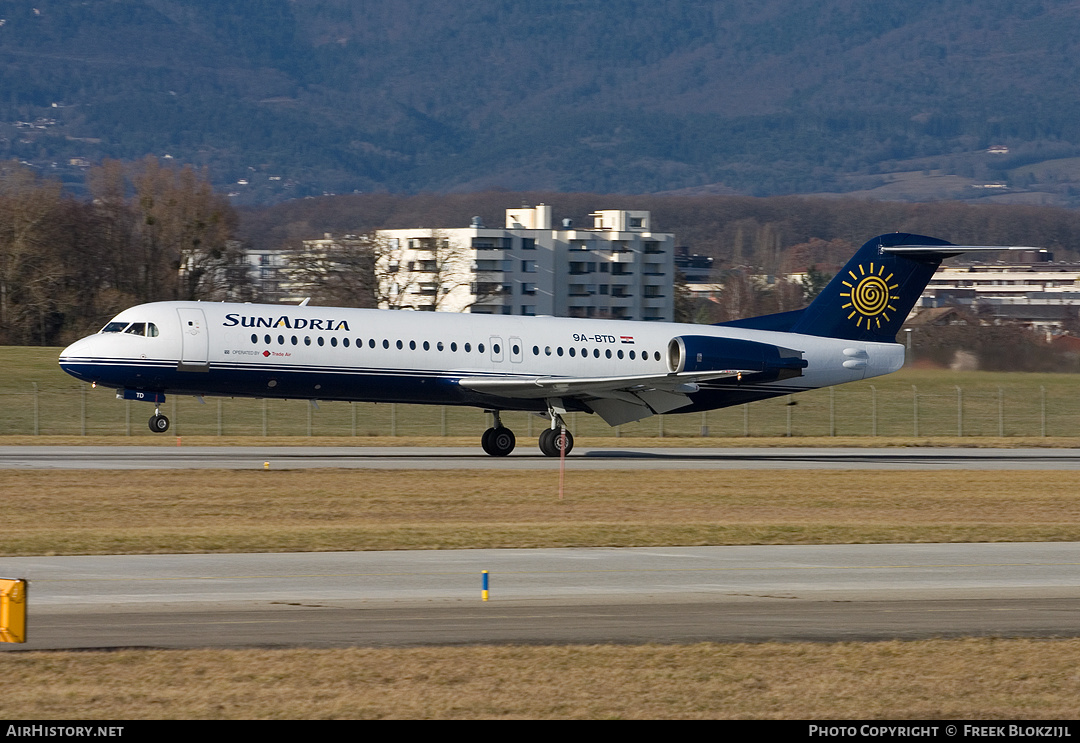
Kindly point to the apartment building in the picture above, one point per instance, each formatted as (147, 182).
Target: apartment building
(618, 268)
(1034, 290)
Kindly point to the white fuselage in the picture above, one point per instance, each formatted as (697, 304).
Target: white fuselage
(329, 353)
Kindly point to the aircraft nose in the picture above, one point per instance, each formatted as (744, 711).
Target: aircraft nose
(77, 350)
(76, 359)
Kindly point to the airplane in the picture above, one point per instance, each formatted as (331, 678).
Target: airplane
(622, 371)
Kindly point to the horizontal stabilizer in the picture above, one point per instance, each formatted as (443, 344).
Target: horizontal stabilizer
(948, 251)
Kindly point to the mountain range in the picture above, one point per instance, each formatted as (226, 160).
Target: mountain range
(280, 99)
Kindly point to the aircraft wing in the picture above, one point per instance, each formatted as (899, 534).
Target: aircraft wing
(617, 400)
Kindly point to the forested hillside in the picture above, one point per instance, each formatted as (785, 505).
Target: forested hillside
(285, 99)
(736, 230)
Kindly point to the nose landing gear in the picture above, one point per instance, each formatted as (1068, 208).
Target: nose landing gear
(158, 422)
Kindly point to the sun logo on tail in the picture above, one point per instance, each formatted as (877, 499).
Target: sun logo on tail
(869, 296)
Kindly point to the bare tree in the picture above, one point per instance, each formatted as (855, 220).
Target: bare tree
(434, 273)
(31, 274)
(184, 229)
(339, 272)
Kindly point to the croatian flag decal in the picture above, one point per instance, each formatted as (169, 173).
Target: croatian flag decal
(627, 338)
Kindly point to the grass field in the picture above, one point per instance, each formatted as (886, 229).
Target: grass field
(912, 404)
(978, 679)
(90, 512)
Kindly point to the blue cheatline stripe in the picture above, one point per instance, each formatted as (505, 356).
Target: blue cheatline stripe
(170, 364)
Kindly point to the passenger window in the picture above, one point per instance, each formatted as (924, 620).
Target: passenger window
(399, 345)
(266, 338)
(427, 346)
(294, 340)
(468, 347)
(254, 338)
(573, 351)
(559, 350)
(333, 341)
(321, 340)
(307, 340)
(439, 345)
(480, 347)
(281, 340)
(453, 346)
(385, 343)
(412, 345)
(345, 342)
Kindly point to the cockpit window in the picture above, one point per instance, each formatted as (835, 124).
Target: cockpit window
(135, 328)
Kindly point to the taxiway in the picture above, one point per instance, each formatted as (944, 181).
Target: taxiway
(739, 593)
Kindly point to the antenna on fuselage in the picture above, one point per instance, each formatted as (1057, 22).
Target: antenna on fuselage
(306, 300)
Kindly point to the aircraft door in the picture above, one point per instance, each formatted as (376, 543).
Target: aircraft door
(195, 343)
(496, 345)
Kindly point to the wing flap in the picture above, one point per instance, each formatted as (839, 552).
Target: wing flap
(580, 387)
(617, 400)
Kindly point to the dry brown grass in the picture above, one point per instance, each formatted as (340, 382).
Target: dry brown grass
(88, 512)
(925, 680)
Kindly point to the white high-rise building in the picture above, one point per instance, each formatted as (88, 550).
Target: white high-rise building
(618, 269)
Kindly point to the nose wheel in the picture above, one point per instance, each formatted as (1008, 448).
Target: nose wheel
(159, 423)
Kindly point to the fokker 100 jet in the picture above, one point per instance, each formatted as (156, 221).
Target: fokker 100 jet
(622, 371)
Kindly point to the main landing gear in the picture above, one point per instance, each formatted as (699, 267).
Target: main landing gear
(499, 441)
(553, 440)
(158, 422)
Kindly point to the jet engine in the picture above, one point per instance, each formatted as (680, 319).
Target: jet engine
(703, 353)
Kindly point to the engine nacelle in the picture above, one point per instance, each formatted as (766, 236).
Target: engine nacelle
(703, 353)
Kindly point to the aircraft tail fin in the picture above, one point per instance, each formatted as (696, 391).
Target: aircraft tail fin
(870, 299)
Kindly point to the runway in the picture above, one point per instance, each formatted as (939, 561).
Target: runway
(528, 458)
(753, 594)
